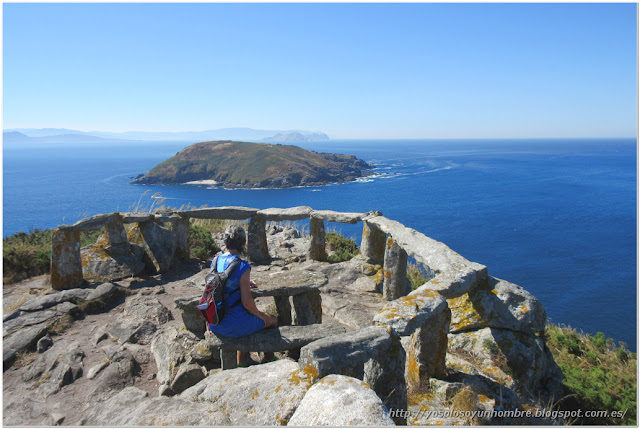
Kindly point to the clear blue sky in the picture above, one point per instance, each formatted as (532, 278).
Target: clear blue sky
(350, 70)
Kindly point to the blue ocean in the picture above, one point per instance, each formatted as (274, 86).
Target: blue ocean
(557, 217)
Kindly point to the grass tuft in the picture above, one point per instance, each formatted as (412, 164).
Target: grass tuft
(60, 325)
(25, 358)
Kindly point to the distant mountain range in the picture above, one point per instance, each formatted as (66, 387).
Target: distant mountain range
(54, 135)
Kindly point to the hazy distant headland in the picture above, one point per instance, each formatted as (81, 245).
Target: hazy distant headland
(54, 135)
(254, 165)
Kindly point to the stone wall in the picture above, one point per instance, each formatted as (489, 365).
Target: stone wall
(421, 319)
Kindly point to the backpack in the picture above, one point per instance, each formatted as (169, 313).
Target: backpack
(212, 302)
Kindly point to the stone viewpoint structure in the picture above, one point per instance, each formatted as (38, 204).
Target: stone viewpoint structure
(461, 334)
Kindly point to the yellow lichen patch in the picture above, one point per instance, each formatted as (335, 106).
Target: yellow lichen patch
(495, 292)
(255, 394)
(463, 313)
(310, 371)
(419, 398)
(524, 309)
(428, 293)
(296, 380)
(280, 420)
(486, 400)
(413, 369)
(277, 389)
(389, 241)
(379, 276)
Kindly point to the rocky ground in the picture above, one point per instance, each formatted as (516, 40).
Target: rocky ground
(120, 354)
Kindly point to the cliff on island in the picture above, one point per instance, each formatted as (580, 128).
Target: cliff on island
(254, 165)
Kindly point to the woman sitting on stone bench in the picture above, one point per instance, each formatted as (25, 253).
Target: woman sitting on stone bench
(242, 317)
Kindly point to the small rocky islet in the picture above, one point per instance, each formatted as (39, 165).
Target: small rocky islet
(233, 164)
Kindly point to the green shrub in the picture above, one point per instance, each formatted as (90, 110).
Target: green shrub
(201, 243)
(26, 255)
(597, 374)
(416, 275)
(344, 248)
(90, 237)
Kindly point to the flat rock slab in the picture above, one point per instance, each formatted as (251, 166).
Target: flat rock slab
(148, 307)
(170, 349)
(133, 407)
(332, 216)
(260, 395)
(287, 283)
(47, 301)
(132, 330)
(234, 213)
(21, 340)
(292, 213)
(407, 314)
(497, 304)
(338, 400)
(277, 339)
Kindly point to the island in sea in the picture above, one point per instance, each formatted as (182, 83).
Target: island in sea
(234, 164)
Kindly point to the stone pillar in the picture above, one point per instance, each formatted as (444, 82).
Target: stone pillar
(228, 359)
(384, 374)
(316, 305)
(395, 271)
(257, 240)
(114, 231)
(373, 244)
(317, 249)
(159, 245)
(66, 263)
(181, 230)
(284, 310)
(426, 352)
(307, 308)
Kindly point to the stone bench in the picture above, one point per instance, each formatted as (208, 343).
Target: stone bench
(277, 339)
(302, 286)
(298, 287)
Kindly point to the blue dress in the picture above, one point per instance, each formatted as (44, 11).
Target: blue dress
(237, 322)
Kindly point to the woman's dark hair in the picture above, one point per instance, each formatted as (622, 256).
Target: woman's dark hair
(235, 238)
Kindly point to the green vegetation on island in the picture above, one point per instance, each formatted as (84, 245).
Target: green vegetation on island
(254, 165)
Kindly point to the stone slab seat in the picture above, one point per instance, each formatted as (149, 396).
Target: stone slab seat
(277, 339)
